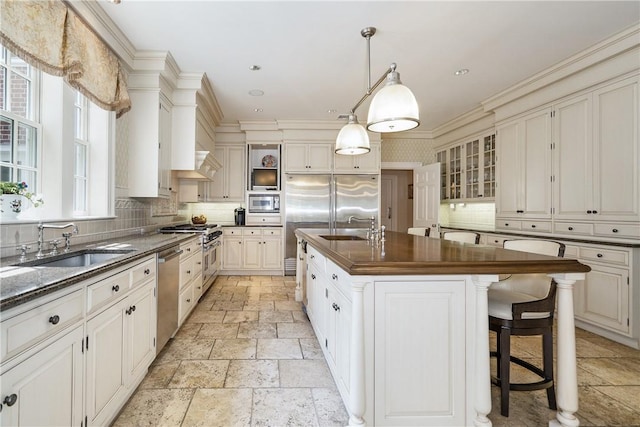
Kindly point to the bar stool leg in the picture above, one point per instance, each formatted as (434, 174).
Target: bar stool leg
(504, 362)
(547, 355)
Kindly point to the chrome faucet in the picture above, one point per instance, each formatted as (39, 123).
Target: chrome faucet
(41, 228)
(372, 230)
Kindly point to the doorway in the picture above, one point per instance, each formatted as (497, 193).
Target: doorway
(396, 199)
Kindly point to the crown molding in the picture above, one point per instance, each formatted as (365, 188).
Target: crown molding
(106, 29)
(613, 46)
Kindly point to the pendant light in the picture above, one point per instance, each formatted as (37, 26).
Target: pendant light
(352, 138)
(393, 109)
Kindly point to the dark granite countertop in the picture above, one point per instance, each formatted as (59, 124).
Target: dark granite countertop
(21, 284)
(405, 254)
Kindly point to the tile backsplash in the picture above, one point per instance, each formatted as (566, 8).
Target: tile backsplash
(477, 216)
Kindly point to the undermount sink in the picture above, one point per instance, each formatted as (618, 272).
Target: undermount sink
(78, 259)
(341, 237)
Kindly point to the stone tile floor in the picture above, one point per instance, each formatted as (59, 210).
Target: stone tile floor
(247, 356)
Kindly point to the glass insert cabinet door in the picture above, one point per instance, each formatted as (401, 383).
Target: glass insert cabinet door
(472, 163)
(455, 172)
(489, 162)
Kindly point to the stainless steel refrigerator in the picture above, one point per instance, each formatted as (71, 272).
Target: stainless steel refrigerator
(326, 201)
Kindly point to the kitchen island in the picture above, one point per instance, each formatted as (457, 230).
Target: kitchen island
(403, 324)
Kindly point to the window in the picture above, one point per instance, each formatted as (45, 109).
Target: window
(19, 133)
(81, 145)
(43, 118)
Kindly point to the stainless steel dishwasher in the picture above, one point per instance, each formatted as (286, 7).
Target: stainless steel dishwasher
(168, 287)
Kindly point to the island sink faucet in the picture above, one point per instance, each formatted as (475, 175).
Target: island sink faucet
(67, 236)
(372, 231)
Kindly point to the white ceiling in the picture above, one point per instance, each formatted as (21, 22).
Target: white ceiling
(313, 57)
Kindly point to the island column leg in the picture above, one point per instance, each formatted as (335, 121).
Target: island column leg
(566, 375)
(482, 378)
(357, 362)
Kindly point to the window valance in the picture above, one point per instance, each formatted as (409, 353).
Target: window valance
(53, 38)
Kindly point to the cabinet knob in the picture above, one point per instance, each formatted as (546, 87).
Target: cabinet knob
(312, 257)
(533, 226)
(570, 228)
(10, 400)
(147, 271)
(115, 288)
(54, 321)
(506, 224)
(313, 276)
(188, 299)
(589, 212)
(595, 212)
(615, 230)
(188, 271)
(334, 276)
(599, 255)
(188, 249)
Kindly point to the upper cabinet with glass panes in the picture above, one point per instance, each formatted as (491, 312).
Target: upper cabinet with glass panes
(467, 169)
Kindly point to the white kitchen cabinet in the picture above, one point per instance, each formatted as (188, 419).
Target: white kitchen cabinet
(523, 167)
(364, 163)
(229, 181)
(467, 169)
(604, 298)
(46, 387)
(596, 156)
(149, 155)
(232, 250)
(308, 157)
(119, 347)
(337, 306)
(262, 248)
(190, 277)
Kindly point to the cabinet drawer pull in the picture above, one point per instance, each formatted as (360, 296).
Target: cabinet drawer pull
(147, 271)
(312, 256)
(615, 230)
(595, 212)
(533, 226)
(188, 249)
(570, 228)
(334, 276)
(188, 299)
(589, 212)
(599, 255)
(506, 224)
(313, 276)
(115, 288)
(188, 271)
(54, 321)
(10, 400)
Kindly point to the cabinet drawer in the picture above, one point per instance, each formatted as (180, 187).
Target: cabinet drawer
(264, 220)
(571, 252)
(190, 248)
(494, 240)
(187, 271)
(107, 290)
(252, 231)
(609, 256)
(314, 257)
(537, 226)
(232, 231)
(185, 303)
(339, 278)
(141, 272)
(507, 224)
(618, 230)
(35, 325)
(272, 231)
(573, 228)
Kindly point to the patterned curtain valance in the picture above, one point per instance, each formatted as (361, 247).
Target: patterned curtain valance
(53, 38)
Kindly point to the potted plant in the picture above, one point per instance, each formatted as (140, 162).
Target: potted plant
(11, 198)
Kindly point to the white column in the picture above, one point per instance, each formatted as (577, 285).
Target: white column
(566, 382)
(482, 380)
(357, 362)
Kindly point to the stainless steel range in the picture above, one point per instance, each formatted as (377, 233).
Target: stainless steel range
(211, 248)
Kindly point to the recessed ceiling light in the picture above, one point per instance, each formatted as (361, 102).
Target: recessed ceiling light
(258, 110)
(255, 68)
(461, 72)
(256, 92)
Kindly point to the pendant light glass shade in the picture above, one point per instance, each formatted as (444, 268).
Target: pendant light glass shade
(393, 108)
(352, 138)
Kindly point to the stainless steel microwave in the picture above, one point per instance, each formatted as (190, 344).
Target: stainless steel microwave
(264, 203)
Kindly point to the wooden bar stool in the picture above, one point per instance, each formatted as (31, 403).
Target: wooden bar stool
(523, 305)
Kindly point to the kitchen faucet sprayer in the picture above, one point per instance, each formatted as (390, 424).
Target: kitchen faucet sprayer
(67, 236)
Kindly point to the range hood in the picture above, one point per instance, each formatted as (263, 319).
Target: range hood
(205, 166)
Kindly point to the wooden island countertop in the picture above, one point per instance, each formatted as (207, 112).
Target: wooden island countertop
(403, 324)
(405, 254)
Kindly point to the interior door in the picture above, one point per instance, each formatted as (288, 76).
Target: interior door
(426, 196)
(389, 202)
